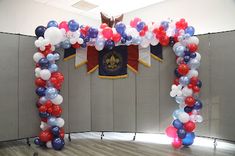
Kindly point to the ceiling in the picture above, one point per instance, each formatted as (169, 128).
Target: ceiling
(110, 7)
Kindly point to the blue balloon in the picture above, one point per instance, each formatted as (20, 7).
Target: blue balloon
(84, 45)
(56, 56)
(109, 44)
(190, 30)
(137, 40)
(86, 39)
(37, 141)
(55, 130)
(52, 23)
(51, 93)
(44, 114)
(177, 112)
(40, 91)
(92, 32)
(124, 35)
(187, 53)
(39, 31)
(66, 44)
(177, 74)
(42, 99)
(179, 99)
(129, 38)
(58, 143)
(194, 64)
(186, 58)
(120, 28)
(189, 139)
(199, 83)
(193, 55)
(179, 50)
(44, 63)
(177, 124)
(184, 80)
(73, 25)
(50, 57)
(181, 133)
(53, 68)
(197, 105)
(140, 26)
(123, 40)
(188, 109)
(52, 121)
(165, 24)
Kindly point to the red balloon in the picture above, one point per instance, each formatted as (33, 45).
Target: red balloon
(103, 25)
(42, 108)
(196, 89)
(142, 33)
(64, 25)
(56, 110)
(189, 126)
(164, 40)
(45, 136)
(40, 82)
(76, 45)
(192, 47)
(177, 143)
(62, 133)
(183, 69)
(135, 21)
(60, 78)
(190, 86)
(145, 28)
(48, 47)
(107, 33)
(116, 37)
(57, 86)
(53, 80)
(48, 104)
(182, 24)
(46, 52)
(190, 101)
(194, 80)
(171, 131)
(176, 81)
(49, 110)
(44, 119)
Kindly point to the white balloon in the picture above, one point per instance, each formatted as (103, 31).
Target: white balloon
(198, 56)
(45, 74)
(60, 122)
(49, 144)
(182, 105)
(42, 48)
(38, 43)
(186, 91)
(192, 73)
(52, 48)
(154, 41)
(176, 45)
(44, 125)
(45, 42)
(72, 40)
(54, 35)
(199, 118)
(37, 56)
(80, 41)
(145, 43)
(193, 39)
(57, 100)
(183, 117)
(37, 71)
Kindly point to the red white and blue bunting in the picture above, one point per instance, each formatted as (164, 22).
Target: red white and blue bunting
(178, 35)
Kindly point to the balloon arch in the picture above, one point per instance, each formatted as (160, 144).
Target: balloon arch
(185, 89)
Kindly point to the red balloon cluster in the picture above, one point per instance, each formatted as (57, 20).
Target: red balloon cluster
(160, 34)
(57, 79)
(181, 24)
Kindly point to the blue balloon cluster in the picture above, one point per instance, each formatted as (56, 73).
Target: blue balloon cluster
(73, 25)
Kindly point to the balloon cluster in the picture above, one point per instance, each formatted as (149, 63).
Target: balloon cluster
(48, 82)
(178, 35)
(186, 86)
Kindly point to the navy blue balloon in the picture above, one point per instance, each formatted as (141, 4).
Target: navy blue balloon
(84, 45)
(198, 105)
(55, 131)
(58, 143)
(186, 58)
(199, 83)
(124, 35)
(123, 40)
(40, 91)
(43, 114)
(177, 73)
(187, 53)
(172, 41)
(86, 39)
(177, 124)
(128, 38)
(190, 30)
(140, 26)
(109, 44)
(39, 31)
(188, 140)
(181, 133)
(193, 55)
(92, 32)
(120, 28)
(165, 24)
(44, 63)
(188, 109)
(73, 25)
(37, 141)
(52, 23)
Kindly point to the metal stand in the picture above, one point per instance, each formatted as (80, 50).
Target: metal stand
(69, 137)
(134, 137)
(102, 135)
(27, 141)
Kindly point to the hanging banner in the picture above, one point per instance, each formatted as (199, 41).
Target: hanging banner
(113, 63)
(92, 59)
(145, 56)
(69, 53)
(133, 57)
(81, 57)
(156, 52)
